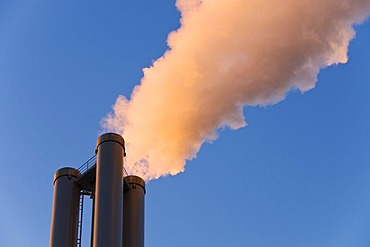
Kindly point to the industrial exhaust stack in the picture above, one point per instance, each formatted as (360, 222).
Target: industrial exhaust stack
(133, 212)
(64, 220)
(110, 151)
(118, 200)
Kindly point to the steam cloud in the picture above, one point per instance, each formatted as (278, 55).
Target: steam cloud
(225, 55)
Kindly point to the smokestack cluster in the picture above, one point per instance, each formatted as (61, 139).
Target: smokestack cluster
(227, 55)
(118, 201)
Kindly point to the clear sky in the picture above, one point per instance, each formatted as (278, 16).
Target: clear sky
(298, 175)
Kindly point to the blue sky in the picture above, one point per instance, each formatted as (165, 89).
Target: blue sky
(297, 175)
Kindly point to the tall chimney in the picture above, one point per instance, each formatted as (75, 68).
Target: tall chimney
(64, 218)
(118, 201)
(110, 150)
(133, 212)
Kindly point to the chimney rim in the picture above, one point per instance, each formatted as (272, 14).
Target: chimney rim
(66, 171)
(134, 180)
(113, 137)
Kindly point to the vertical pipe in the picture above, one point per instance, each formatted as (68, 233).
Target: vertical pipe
(110, 150)
(92, 215)
(64, 219)
(133, 212)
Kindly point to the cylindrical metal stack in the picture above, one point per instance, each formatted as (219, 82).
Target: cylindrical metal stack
(110, 150)
(118, 203)
(133, 212)
(64, 219)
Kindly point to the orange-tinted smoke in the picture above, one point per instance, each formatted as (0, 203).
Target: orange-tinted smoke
(225, 55)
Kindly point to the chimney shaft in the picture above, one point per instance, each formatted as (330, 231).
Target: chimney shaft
(64, 219)
(110, 151)
(133, 212)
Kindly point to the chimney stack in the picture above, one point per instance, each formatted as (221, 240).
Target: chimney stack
(118, 200)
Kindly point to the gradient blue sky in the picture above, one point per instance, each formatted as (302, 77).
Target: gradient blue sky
(298, 175)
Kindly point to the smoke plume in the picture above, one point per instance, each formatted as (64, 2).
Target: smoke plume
(226, 55)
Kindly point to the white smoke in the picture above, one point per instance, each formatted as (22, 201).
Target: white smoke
(225, 55)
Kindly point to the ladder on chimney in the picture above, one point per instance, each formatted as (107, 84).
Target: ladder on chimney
(81, 210)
